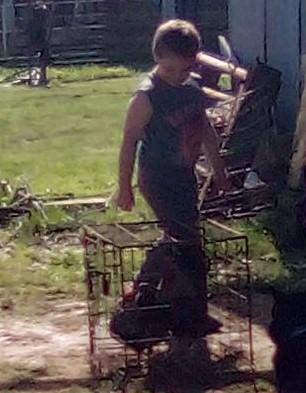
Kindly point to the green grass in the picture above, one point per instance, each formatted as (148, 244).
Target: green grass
(66, 138)
(63, 139)
(74, 73)
(29, 275)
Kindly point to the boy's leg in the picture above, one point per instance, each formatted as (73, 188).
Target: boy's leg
(175, 204)
(188, 300)
(173, 198)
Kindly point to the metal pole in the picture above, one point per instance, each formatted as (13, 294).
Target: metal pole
(8, 23)
(4, 41)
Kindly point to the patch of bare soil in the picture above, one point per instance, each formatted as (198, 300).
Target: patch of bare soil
(51, 350)
(47, 346)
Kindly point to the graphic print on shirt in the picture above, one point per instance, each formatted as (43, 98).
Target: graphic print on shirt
(188, 122)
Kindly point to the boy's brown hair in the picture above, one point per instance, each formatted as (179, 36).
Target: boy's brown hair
(178, 37)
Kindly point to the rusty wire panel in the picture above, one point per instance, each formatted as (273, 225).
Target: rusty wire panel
(113, 255)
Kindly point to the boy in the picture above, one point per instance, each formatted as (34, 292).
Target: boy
(167, 118)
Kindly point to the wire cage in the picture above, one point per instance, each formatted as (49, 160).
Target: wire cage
(230, 295)
(113, 255)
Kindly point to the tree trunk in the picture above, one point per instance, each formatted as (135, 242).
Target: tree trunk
(298, 161)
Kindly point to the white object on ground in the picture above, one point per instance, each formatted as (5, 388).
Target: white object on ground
(252, 181)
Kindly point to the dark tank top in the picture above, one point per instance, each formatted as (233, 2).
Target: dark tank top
(173, 136)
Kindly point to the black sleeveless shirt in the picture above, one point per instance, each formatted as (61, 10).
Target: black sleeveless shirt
(173, 136)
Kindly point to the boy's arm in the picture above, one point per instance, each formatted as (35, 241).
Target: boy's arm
(212, 150)
(138, 116)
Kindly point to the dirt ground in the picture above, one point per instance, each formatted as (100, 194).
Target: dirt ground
(49, 352)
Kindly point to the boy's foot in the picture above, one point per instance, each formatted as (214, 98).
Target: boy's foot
(186, 367)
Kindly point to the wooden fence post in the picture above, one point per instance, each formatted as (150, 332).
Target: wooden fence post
(8, 23)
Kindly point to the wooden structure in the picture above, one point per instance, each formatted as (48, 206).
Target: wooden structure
(241, 118)
(106, 30)
(274, 32)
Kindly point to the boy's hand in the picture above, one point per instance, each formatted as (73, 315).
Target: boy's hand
(125, 199)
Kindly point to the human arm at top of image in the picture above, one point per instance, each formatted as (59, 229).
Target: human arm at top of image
(138, 116)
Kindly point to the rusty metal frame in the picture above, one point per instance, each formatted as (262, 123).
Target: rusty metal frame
(97, 244)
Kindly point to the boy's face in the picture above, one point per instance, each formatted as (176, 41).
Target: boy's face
(175, 69)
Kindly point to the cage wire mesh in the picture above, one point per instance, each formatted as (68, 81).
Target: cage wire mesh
(113, 255)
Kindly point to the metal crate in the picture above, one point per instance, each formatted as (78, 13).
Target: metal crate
(114, 253)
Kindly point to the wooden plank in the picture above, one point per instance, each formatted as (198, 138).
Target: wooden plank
(83, 59)
(222, 66)
(67, 2)
(81, 27)
(247, 29)
(283, 53)
(77, 202)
